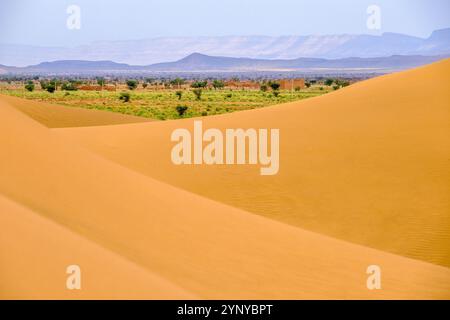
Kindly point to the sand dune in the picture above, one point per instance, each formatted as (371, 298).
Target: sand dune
(56, 116)
(206, 248)
(35, 253)
(367, 164)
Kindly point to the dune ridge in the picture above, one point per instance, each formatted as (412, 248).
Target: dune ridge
(35, 252)
(367, 164)
(58, 116)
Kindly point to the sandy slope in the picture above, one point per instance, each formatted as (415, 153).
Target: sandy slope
(368, 164)
(35, 253)
(56, 116)
(207, 248)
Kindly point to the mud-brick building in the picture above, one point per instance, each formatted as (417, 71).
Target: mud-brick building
(292, 84)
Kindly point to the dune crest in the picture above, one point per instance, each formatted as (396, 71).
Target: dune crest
(57, 116)
(35, 253)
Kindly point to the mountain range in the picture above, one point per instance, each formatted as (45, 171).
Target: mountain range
(157, 50)
(197, 62)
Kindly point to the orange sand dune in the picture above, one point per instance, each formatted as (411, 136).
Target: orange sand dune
(209, 249)
(35, 253)
(57, 116)
(367, 164)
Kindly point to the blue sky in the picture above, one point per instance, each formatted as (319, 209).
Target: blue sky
(43, 22)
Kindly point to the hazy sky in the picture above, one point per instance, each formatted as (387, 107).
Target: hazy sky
(43, 22)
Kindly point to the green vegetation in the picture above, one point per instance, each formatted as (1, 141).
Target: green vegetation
(179, 94)
(218, 84)
(125, 97)
(101, 81)
(198, 93)
(275, 86)
(132, 84)
(177, 82)
(29, 86)
(199, 84)
(69, 86)
(181, 110)
(160, 103)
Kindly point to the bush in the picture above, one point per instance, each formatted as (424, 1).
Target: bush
(198, 93)
(29, 86)
(132, 84)
(125, 97)
(275, 86)
(181, 110)
(177, 82)
(218, 84)
(69, 86)
(329, 82)
(276, 94)
(199, 84)
(308, 84)
(179, 94)
(43, 84)
(51, 86)
(101, 81)
(335, 87)
(263, 88)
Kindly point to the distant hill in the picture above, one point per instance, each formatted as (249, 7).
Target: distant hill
(201, 62)
(77, 67)
(197, 62)
(157, 50)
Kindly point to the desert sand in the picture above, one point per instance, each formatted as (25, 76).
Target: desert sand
(363, 180)
(57, 116)
(366, 164)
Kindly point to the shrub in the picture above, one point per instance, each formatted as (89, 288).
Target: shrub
(198, 93)
(275, 86)
(263, 88)
(218, 84)
(335, 87)
(101, 81)
(177, 82)
(51, 86)
(329, 82)
(132, 84)
(179, 94)
(29, 86)
(125, 97)
(69, 86)
(199, 84)
(181, 110)
(276, 94)
(43, 84)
